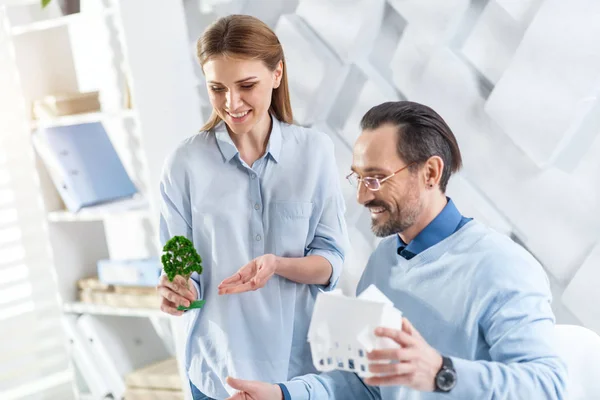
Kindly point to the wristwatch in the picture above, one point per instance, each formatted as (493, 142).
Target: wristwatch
(445, 379)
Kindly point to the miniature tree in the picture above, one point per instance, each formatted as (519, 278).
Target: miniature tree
(180, 258)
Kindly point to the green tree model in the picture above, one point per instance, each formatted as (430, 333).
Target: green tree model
(180, 258)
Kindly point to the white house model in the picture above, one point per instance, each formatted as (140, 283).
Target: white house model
(342, 329)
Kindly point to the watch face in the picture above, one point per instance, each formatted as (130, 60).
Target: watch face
(446, 380)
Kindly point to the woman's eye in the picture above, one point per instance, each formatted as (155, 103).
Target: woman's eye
(248, 86)
(216, 89)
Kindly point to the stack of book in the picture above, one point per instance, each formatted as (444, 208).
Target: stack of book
(51, 107)
(159, 381)
(91, 290)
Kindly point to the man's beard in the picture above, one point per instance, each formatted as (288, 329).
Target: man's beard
(397, 222)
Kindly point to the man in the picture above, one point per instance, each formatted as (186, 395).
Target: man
(478, 319)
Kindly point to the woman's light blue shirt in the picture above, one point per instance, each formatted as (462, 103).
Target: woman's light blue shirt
(288, 203)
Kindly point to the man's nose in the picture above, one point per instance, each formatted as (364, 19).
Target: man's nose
(364, 195)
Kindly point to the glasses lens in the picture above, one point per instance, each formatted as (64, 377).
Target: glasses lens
(371, 183)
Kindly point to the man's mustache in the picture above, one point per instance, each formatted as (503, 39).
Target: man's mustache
(375, 203)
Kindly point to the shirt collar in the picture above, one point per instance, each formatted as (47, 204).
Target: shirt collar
(440, 228)
(228, 149)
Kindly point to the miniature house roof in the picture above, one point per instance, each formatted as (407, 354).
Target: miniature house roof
(337, 318)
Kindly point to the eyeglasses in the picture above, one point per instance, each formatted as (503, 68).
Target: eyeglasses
(373, 184)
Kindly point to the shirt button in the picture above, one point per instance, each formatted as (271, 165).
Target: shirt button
(253, 176)
(258, 238)
(257, 206)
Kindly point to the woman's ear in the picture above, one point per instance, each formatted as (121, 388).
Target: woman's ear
(278, 74)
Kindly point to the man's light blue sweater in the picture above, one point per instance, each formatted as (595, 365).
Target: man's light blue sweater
(476, 297)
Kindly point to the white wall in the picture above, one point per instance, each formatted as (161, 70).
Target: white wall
(518, 82)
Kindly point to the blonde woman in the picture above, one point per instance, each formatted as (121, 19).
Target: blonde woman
(260, 199)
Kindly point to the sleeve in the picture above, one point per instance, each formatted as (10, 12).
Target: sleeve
(335, 385)
(175, 209)
(331, 236)
(519, 329)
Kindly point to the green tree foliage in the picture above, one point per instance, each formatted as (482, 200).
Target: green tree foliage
(180, 258)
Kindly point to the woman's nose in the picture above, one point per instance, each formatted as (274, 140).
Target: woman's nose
(233, 100)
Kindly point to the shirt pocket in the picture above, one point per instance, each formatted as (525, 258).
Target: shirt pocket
(291, 227)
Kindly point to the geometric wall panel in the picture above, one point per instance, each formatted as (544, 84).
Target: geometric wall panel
(353, 31)
(518, 81)
(582, 295)
(497, 30)
(314, 71)
(544, 94)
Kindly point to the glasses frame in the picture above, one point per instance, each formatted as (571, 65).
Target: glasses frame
(377, 180)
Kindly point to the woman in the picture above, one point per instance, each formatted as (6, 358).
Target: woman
(260, 199)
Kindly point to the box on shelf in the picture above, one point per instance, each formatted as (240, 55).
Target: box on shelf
(140, 272)
(51, 107)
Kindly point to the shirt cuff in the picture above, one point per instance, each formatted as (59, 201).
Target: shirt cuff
(469, 384)
(295, 390)
(286, 393)
(197, 286)
(336, 266)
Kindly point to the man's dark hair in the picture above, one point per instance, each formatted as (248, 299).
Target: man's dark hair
(422, 133)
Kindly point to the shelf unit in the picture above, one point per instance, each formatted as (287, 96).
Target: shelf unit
(78, 307)
(82, 118)
(136, 206)
(114, 47)
(54, 22)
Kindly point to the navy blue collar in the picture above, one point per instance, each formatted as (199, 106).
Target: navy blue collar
(448, 221)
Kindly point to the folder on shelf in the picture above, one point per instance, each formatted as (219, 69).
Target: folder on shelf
(121, 345)
(83, 164)
(107, 352)
(84, 359)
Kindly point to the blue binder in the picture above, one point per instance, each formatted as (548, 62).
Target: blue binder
(83, 164)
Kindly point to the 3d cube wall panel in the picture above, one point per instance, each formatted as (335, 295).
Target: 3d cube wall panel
(551, 82)
(517, 81)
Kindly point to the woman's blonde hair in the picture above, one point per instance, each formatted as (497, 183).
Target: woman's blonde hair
(246, 37)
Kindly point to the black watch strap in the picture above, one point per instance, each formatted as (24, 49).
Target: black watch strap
(447, 362)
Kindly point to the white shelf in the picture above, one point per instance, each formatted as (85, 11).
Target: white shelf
(51, 54)
(100, 309)
(54, 22)
(131, 206)
(80, 118)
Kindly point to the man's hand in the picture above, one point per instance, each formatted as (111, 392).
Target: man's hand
(414, 365)
(254, 390)
(174, 294)
(251, 276)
